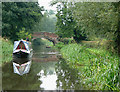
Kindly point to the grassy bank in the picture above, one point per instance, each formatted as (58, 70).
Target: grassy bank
(98, 68)
(6, 49)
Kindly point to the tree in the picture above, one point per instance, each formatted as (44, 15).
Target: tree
(117, 33)
(97, 20)
(51, 12)
(17, 15)
(47, 23)
(66, 25)
(87, 19)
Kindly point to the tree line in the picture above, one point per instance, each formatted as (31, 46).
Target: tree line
(21, 19)
(88, 20)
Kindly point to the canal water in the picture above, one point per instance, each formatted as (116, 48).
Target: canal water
(48, 72)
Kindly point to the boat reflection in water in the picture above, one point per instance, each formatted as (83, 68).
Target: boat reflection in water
(22, 56)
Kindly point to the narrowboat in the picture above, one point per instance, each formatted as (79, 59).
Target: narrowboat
(22, 56)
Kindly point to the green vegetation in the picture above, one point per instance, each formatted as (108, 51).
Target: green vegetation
(98, 68)
(88, 20)
(98, 23)
(59, 45)
(19, 15)
(21, 19)
(47, 42)
(22, 34)
(47, 23)
(42, 41)
(7, 49)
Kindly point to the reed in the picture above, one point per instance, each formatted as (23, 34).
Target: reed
(98, 67)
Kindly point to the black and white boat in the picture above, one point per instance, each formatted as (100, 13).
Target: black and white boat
(22, 56)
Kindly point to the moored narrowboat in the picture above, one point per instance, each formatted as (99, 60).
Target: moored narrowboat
(22, 52)
(22, 56)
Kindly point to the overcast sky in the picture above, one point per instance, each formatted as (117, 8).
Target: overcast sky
(46, 4)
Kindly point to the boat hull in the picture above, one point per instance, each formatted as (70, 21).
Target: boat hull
(21, 57)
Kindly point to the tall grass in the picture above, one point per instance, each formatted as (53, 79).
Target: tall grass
(7, 49)
(98, 68)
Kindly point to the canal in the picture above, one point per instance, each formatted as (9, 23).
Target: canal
(48, 72)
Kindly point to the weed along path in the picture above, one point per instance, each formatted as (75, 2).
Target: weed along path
(48, 72)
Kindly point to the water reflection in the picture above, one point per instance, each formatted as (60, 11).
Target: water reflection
(47, 58)
(12, 81)
(47, 72)
(68, 78)
(41, 76)
(48, 76)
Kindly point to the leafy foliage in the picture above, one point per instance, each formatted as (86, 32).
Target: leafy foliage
(96, 19)
(59, 45)
(17, 15)
(65, 23)
(87, 19)
(23, 35)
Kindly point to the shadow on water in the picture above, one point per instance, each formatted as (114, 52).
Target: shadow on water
(47, 72)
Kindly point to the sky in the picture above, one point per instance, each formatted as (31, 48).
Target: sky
(46, 4)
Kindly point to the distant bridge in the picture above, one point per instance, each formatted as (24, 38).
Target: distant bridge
(50, 36)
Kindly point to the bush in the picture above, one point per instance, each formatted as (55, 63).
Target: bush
(59, 45)
(23, 35)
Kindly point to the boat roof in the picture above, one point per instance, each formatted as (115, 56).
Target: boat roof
(16, 43)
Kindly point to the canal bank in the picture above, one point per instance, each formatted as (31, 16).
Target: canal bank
(98, 68)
